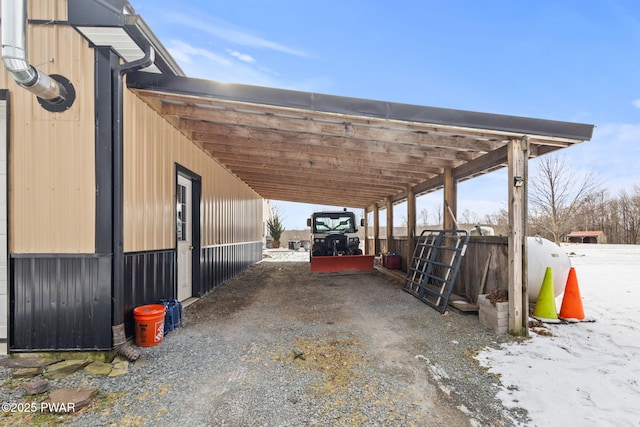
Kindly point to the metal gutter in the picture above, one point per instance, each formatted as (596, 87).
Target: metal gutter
(120, 14)
(118, 181)
(144, 36)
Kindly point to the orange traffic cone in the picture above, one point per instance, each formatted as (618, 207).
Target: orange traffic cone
(571, 301)
(545, 309)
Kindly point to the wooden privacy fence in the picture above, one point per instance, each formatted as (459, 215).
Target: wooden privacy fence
(480, 250)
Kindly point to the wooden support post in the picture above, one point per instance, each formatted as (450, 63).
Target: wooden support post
(376, 230)
(366, 231)
(389, 225)
(450, 201)
(411, 224)
(525, 220)
(517, 181)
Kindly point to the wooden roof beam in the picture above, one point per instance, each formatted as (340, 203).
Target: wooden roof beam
(208, 103)
(199, 118)
(294, 141)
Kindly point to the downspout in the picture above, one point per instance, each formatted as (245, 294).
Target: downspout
(119, 337)
(55, 93)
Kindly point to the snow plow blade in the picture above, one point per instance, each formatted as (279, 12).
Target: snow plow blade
(335, 264)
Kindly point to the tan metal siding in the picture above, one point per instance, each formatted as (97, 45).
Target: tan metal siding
(52, 155)
(231, 212)
(47, 9)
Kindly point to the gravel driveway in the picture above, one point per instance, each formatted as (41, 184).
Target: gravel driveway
(280, 346)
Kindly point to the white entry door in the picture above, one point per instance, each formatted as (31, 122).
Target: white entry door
(184, 237)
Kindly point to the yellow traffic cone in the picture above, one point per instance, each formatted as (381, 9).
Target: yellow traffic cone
(545, 309)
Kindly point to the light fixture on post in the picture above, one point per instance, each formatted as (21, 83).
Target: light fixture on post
(518, 181)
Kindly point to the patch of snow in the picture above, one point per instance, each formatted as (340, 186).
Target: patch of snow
(285, 255)
(586, 373)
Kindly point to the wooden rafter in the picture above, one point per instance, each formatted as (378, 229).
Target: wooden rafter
(327, 157)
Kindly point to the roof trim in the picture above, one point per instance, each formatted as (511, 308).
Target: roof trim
(106, 13)
(585, 233)
(357, 106)
(120, 14)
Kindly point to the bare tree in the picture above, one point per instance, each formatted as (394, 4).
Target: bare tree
(469, 217)
(499, 218)
(596, 211)
(404, 225)
(557, 195)
(437, 214)
(629, 207)
(424, 217)
(635, 202)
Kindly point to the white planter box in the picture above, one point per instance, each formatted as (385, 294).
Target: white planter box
(492, 316)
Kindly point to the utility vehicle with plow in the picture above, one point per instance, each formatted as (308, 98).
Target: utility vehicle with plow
(335, 244)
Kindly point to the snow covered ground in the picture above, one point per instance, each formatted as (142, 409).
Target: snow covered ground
(285, 255)
(586, 374)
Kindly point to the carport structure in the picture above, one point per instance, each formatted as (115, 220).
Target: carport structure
(325, 149)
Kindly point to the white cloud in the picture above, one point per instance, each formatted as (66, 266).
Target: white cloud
(619, 134)
(185, 53)
(209, 48)
(627, 132)
(227, 32)
(612, 154)
(204, 64)
(636, 103)
(241, 56)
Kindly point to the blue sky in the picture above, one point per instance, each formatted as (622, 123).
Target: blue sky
(565, 60)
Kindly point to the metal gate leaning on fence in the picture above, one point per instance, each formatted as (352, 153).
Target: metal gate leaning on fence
(435, 265)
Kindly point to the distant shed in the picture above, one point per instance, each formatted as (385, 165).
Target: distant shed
(587, 237)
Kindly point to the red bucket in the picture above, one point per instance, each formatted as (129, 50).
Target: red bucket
(149, 321)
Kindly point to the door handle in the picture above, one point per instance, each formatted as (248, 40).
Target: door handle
(190, 248)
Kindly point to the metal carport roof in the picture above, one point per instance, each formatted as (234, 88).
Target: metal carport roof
(325, 149)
